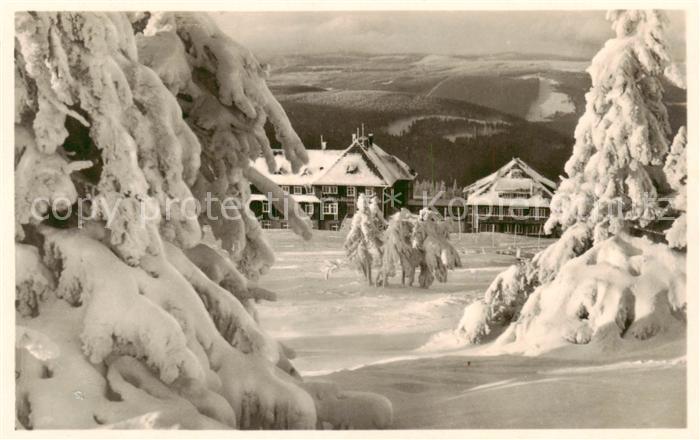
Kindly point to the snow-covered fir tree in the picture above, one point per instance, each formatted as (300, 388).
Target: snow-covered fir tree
(363, 243)
(594, 284)
(398, 253)
(137, 318)
(624, 129)
(676, 170)
(431, 236)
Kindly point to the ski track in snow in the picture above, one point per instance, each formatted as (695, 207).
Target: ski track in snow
(298, 253)
(501, 385)
(626, 365)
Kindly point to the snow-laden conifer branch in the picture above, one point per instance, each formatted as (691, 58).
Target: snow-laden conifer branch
(152, 322)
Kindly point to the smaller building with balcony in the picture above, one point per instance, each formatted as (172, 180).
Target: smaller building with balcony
(515, 199)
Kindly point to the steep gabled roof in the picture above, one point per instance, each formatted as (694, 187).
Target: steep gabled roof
(365, 164)
(486, 190)
(357, 165)
(503, 172)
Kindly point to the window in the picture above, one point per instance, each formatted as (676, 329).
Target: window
(265, 224)
(284, 225)
(517, 212)
(266, 206)
(540, 212)
(298, 190)
(285, 189)
(330, 208)
(329, 189)
(334, 227)
(351, 191)
(309, 209)
(369, 191)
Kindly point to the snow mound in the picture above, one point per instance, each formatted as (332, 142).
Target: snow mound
(622, 288)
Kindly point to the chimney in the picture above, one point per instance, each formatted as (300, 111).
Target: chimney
(370, 138)
(323, 143)
(354, 137)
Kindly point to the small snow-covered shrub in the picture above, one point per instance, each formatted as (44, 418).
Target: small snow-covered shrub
(474, 325)
(500, 305)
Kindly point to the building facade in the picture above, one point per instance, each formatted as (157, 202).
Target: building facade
(328, 186)
(515, 199)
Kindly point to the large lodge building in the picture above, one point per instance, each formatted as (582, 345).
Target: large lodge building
(514, 199)
(328, 186)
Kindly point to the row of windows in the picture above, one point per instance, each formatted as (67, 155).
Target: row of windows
(351, 191)
(515, 195)
(517, 212)
(267, 224)
(296, 189)
(328, 208)
(512, 228)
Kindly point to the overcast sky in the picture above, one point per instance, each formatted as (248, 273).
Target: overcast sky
(572, 33)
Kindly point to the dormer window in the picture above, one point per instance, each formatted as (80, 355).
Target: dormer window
(352, 168)
(516, 173)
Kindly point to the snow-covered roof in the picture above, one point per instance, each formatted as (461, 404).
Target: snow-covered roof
(303, 198)
(366, 164)
(514, 184)
(319, 162)
(492, 199)
(361, 164)
(514, 177)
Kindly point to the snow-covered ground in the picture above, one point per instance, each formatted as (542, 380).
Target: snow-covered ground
(342, 323)
(396, 342)
(549, 101)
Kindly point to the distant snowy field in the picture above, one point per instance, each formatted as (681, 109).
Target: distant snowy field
(341, 323)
